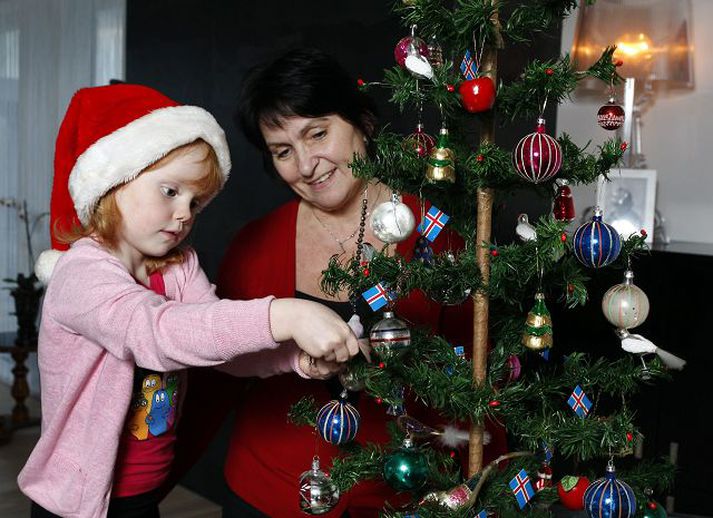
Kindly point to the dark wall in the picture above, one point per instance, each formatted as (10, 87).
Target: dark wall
(198, 52)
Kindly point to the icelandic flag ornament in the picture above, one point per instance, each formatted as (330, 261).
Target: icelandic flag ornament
(468, 66)
(433, 223)
(579, 402)
(548, 452)
(377, 297)
(459, 350)
(522, 488)
(545, 355)
(482, 514)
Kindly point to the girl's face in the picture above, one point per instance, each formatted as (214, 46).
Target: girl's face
(158, 207)
(312, 154)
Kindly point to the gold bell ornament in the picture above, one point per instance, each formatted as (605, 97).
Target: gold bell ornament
(538, 326)
(440, 162)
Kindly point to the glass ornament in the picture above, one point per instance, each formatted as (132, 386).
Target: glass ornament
(609, 497)
(392, 221)
(389, 337)
(406, 469)
(537, 334)
(625, 305)
(563, 207)
(595, 243)
(538, 156)
(611, 115)
(338, 421)
(440, 163)
(318, 494)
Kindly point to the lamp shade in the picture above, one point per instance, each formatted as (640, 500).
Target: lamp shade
(652, 39)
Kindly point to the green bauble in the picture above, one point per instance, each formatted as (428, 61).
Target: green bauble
(651, 509)
(406, 469)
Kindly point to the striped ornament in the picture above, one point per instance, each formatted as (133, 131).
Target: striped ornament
(609, 498)
(338, 421)
(625, 305)
(538, 156)
(596, 244)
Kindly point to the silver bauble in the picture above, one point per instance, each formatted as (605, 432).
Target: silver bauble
(392, 221)
(318, 494)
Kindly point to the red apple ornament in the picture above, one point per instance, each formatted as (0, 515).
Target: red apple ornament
(477, 95)
(571, 492)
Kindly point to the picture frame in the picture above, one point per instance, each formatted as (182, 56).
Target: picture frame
(628, 201)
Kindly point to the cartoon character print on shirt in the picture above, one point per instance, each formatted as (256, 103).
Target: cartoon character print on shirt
(153, 404)
(158, 415)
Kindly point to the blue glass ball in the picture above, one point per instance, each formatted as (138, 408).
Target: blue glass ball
(596, 244)
(609, 498)
(338, 421)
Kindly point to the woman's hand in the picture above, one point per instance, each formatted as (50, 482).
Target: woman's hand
(316, 329)
(318, 369)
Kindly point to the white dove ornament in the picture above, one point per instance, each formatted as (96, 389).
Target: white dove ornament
(524, 229)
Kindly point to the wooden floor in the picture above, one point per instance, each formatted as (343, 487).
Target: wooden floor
(181, 503)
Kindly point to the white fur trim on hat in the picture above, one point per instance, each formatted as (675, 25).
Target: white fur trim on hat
(120, 156)
(44, 266)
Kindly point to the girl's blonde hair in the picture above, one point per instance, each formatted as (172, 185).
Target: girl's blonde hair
(105, 221)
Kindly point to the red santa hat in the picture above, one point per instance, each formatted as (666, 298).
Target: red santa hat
(108, 136)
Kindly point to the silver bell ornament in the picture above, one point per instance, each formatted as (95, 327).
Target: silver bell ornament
(392, 221)
(389, 337)
(318, 494)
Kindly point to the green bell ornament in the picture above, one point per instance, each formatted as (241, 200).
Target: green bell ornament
(406, 469)
(440, 162)
(538, 326)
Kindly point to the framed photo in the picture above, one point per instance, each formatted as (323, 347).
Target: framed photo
(628, 201)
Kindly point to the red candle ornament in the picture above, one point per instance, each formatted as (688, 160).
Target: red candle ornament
(563, 208)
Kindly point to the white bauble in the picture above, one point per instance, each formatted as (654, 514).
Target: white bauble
(392, 221)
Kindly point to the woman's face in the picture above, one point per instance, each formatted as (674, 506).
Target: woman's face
(312, 154)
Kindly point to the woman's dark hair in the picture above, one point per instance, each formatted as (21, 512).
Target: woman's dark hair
(304, 83)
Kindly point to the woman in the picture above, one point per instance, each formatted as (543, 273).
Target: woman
(309, 118)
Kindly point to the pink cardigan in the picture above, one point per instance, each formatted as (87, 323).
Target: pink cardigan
(97, 323)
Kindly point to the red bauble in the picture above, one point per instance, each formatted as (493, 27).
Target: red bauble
(420, 141)
(610, 116)
(538, 156)
(571, 492)
(477, 95)
(563, 209)
(409, 45)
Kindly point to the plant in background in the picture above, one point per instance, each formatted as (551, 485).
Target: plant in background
(25, 289)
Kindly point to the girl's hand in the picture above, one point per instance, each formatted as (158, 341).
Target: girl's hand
(316, 329)
(318, 369)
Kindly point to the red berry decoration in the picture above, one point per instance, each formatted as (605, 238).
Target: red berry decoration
(629, 436)
(382, 365)
(494, 404)
(360, 82)
(570, 288)
(366, 272)
(538, 156)
(623, 146)
(450, 88)
(563, 237)
(618, 62)
(480, 158)
(494, 253)
(611, 115)
(379, 401)
(549, 71)
(477, 95)
(643, 232)
(571, 492)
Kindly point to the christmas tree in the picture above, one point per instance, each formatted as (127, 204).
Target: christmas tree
(566, 412)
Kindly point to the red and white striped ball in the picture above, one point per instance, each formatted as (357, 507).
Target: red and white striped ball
(538, 156)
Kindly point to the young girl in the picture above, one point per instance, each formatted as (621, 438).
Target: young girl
(126, 309)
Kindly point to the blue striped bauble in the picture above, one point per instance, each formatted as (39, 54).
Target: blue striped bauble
(338, 421)
(609, 497)
(596, 244)
(538, 156)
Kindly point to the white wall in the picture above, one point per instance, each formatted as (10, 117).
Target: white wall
(677, 138)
